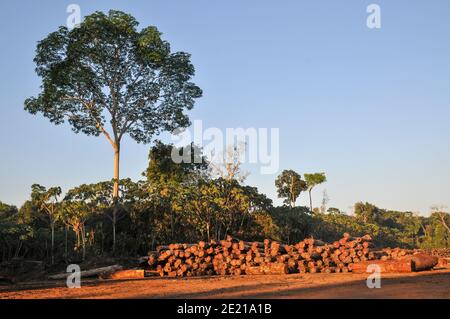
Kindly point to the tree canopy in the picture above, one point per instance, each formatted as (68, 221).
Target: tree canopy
(289, 186)
(312, 180)
(106, 68)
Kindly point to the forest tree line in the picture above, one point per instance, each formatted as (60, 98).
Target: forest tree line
(188, 202)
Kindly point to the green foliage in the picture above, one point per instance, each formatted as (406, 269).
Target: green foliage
(330, 227)
(367, 212)
(46, 201)
(107, 77)
(201, 210)
(289, 186)
(221, 207)
(435, 232)
(180, 202)
(107, 66)
(315, 179)
(294, 223)
(7, 211)
(163, 169)
(312, 180)
(12, 233)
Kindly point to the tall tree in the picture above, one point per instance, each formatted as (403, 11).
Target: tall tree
(228, 165)
(439, 210)
(47, 200)
(289, 186)
(11, 232)
(167, 177)
(105, 77)
(367, 212)
(7, 210)
(80, 205)
(312, 180)
(162, 169)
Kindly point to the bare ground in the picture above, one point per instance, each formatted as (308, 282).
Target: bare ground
(431, 284)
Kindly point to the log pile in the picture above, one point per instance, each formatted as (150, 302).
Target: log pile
(395, 253)
(235, 257)
(383, 266)
(441, 252)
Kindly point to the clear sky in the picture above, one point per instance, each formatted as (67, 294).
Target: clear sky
(371, 108)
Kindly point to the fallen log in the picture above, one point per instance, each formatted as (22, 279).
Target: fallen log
(152, 273)
(443, 263)
(89, 273)
(412, 263)
(385, 266)
(421, 262)
(125, 274)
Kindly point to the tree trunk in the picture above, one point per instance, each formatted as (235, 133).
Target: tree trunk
(65, 243)
(19, 247)
(78, 238)
(83, 243)
(292, 192)
(102, 248)
(52, 226)
(116, 172)
(172, 230)
(310, 200)
(444, 223)
(115, 192)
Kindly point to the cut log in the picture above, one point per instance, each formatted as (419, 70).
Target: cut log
(422, 262)
(125, 274)
(385, 266)
(235, 257)
(268, 269)
(151, 273)
(443, 263)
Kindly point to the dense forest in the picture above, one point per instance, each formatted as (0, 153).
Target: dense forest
(188, 202)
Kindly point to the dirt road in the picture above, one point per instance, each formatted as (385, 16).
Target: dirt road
(433, 284)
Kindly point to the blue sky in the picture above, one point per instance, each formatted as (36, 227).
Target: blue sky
(371, 108)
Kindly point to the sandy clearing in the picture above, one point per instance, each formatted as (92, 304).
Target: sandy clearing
(432, 284)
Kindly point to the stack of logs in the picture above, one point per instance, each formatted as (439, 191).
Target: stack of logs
(440, 252)
(235, 257)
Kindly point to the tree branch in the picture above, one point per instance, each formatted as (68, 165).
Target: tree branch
(98, 124)
(444, 223)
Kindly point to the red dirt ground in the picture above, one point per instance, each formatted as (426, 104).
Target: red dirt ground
(431, 284)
